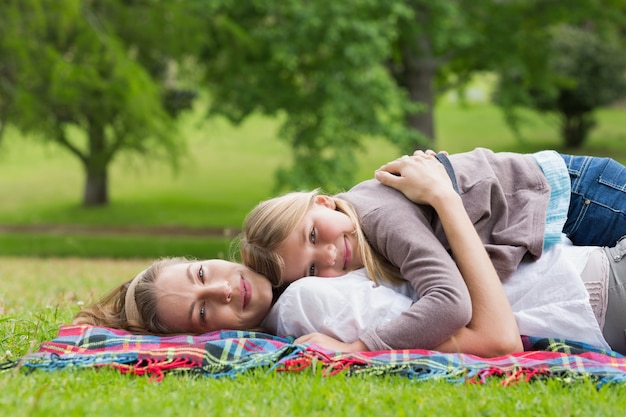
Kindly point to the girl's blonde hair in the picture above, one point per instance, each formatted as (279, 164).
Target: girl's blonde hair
(110, 310)
(271, 222)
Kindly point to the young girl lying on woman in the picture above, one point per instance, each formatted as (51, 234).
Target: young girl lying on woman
(518, 205)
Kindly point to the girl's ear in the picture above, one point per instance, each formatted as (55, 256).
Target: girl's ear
(325, 201)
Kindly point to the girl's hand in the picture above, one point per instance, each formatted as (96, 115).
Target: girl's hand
(421, 177)
(330, 343)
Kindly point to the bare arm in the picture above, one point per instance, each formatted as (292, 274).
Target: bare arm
(492, 330)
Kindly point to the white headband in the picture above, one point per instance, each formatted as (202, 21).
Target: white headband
(130, 304)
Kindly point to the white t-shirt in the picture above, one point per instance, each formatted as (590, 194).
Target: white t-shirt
(547, 296)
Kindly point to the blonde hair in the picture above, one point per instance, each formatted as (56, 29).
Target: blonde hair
(271, 222)
(110, 310)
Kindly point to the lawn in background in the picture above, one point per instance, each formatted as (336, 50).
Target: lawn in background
(226, 172)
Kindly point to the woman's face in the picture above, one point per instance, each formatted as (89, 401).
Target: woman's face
(203, 296)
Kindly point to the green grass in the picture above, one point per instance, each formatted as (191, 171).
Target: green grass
(227, 170)
(113, 246)
(107, 393)
(37, 295)
(461, 128)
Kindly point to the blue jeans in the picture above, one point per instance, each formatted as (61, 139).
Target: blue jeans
(597, 210)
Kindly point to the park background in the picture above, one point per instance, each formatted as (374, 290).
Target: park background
(330, 118)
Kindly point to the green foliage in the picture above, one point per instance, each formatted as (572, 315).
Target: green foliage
(100, 78)
(321, 66)
(337, 72)
(583, 73)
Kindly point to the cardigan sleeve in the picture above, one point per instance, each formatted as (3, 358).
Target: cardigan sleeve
(400, 231)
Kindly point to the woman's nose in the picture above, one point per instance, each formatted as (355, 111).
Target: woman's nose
(220, 291)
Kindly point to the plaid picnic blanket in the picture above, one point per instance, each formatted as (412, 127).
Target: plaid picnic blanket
(228, 353)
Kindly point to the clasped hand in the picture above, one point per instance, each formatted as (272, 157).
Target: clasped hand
(420, 177)
(330, 343)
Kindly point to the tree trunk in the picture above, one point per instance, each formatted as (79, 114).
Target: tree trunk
(96, 184)
(416, 74)
(575, 128)
(419, 84)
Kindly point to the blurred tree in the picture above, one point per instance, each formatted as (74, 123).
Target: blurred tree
(582, 72)
(445, 43)
(96, 77)
(99, 77)
(342, 71)
(318, 65)
(437, 50)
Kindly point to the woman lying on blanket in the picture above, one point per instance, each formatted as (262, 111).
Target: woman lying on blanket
(175, 296)
(196, 297)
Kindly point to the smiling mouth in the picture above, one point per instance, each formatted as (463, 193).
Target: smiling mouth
(246, 292)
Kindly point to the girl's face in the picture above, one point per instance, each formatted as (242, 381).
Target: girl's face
(203, 296)
(324, 244)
